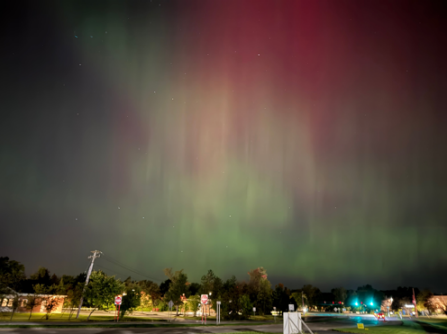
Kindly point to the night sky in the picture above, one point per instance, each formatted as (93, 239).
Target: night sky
(307, 137)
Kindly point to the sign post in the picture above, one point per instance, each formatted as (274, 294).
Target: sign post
(204, 301)
(170, 304)
(254, 310)
(118, 301)
(218, 313)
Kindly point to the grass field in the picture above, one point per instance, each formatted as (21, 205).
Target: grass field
(64, 317)
(135, 325)
(408, 327)
(262, 318)
(437, 321)
(255, 333)
(436, 324)
(383, 330)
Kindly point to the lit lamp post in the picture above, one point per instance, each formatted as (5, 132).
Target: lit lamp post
(390, 304)
(209, 305)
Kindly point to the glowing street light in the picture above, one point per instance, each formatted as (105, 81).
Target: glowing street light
(209, 306)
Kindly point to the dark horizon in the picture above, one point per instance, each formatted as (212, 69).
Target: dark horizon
(291, 283)
(304, 137)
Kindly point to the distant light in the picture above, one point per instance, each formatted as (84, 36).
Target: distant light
(371, 303)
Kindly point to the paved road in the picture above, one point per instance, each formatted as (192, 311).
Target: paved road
(324, 325)
(167, 330)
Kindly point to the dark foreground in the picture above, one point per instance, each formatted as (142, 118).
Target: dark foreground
(316, 325)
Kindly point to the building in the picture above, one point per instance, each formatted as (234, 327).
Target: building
(40, 305)
(438, 303)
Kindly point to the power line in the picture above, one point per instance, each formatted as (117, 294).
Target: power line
(108, 269)
(113, 271)
(108, 258)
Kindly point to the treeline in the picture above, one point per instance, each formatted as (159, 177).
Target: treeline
(238, 297)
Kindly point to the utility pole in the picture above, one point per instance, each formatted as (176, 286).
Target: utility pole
(96, 253)
(414, 303)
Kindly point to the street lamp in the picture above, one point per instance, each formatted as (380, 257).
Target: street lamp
(209, 306)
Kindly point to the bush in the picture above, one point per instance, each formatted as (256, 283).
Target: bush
(162, 306)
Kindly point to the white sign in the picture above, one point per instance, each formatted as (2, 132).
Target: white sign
(291, 307)
(171, 303)
(409, 306)
(118, 300)
(254, 309)
(218, 303)
(204, 299)
(292, 323)
(335, 309)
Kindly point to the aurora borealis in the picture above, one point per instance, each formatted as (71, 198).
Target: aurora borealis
(307, 137)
